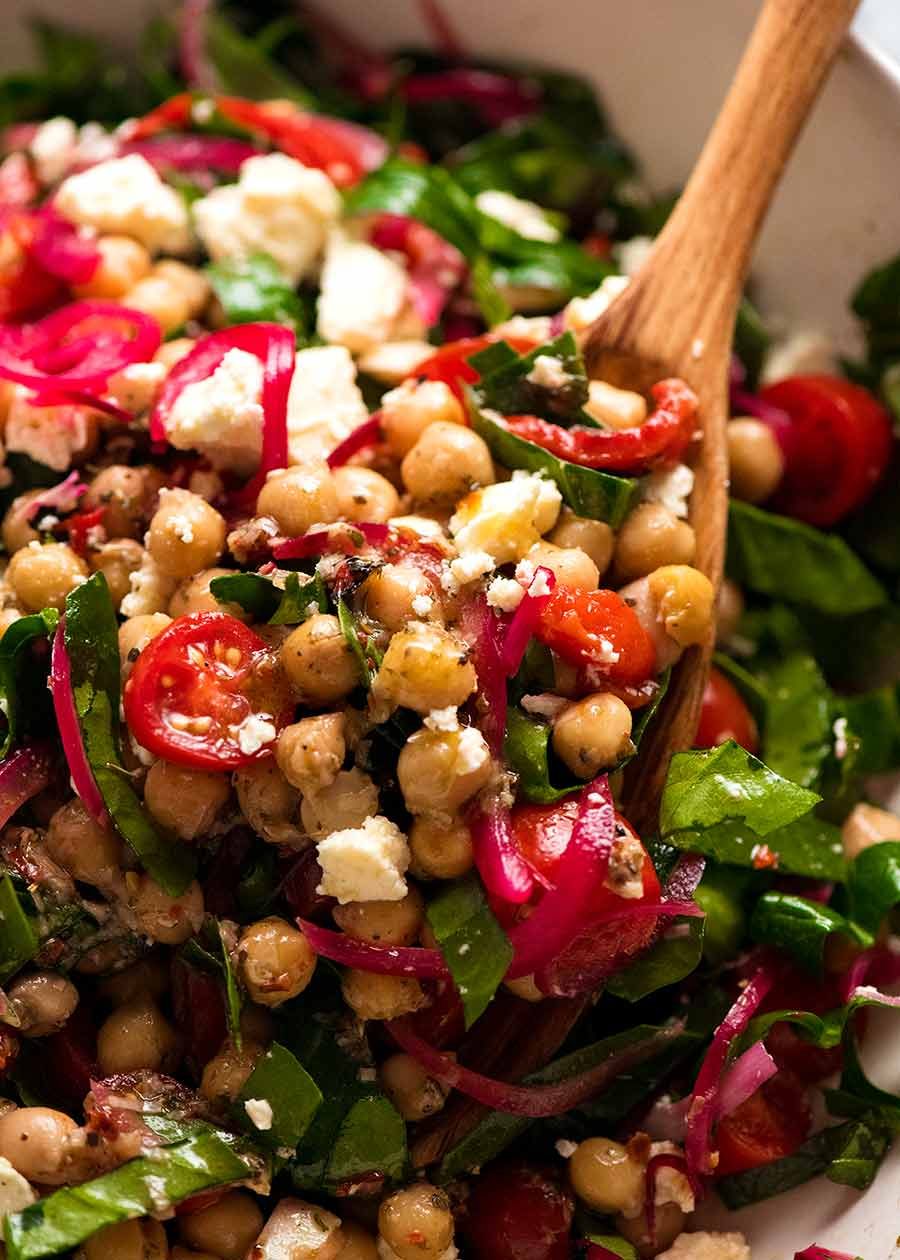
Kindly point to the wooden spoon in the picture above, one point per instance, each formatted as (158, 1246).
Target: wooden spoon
(676, 318)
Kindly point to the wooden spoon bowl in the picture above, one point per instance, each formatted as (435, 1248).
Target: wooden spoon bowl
(676, 318)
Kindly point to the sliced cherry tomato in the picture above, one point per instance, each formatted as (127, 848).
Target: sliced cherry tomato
(770, 1125)
(598, 631)
(451, 363)
(79, 527)
(201, 694)
(662, 438)
(724, 715)
(519, 1212)
(836, 449)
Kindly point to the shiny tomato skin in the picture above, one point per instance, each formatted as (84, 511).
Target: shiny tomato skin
(450, 363)
(770, 1125)
(836, 449)
(193, 686)
(518, 1212)
(599, 632)
(724, 715)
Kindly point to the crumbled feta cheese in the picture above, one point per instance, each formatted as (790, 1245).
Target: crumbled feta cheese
(278, 206)
(151, 589)
(221, 416)
(49, 435)
(580, 313)
(803, 352)
(671, 487)
(539, 585)
(364, 863)
(136, 386)
(362, 293)
(126, 195)
(15, 1192)
(506, 519)
(95, 144)
(546, 705)
(525, 217)
(324, 403)
(704, 1245)
(671, 1185)
(260, 1112)
(472, 751)
(548, 372)
(471, 566)
(393, 361)
(505, 594)
(254, 733)
(422, 605)
(537, 328)
(53, 147)
(631, 255)
(566, 1149)
(839, 729)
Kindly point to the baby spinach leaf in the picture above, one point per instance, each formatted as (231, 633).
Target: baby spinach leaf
(800, 927)
(721, 895)
(363, 655)
(527, 751)
(91, 636)
(774, 555)
(614, 1243)
(259, 596)
(253, 288)
(245, 68)
(874, 717)
(18, 941)
(21, 676)
(475, 947)
(809, 846)
(587, 491)
(873, 883)
(427, 193)
(209, 951)
(507, 384)
(797, 734)
(70, 1215)
(675, 955)
(291, 1093)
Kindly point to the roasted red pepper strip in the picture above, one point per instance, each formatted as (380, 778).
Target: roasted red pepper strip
(663, 436)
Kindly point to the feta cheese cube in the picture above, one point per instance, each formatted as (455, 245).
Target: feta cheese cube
(15, 1192)
(50, 435)
(525, 217)
(671, 487)
(392, 361)
(278, 206)
(259, 1110)
(505, 594)
(506, 519)
(126, 195)
(580, 313)
(53, 147)
(365, 863)
(324, 403)
(221, 416)
(136, 386)
(363, 292)
(705, 1245)
(548, 372)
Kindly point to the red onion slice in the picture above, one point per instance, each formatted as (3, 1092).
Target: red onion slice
(23, 774)
(346, 537)
(744, 1077)
(62, 497)
(501, 866)
(386, 960)
(365, 434)
(70, 731)
(525, 619)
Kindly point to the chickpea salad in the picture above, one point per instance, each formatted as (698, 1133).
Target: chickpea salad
(338, 608)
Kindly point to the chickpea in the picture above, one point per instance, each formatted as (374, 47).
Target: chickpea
(668, 1222)
(171, 352)
(755, 461)
(124, 262)
(228, 1071)
(607, 1177)
(193, 595)
(358, 1243)
(123, 494)
(374, 996)
(439, 849)
(276, 961)
(408, 410)
(413, 1092)
(187, 1253)
(228, 1228)
(318, 661)
(33, 1139)
(135, 1036)
(17, 531)
(446, 463)
(438, 771)
(42, 1002)
(347, 802)
(186, 533)
(147, 977)
(117, 560)
(393, 593)
(136, 633)
(193, 284)
(311, 752)
(573, 568)
(364, 495)
(593, 734)
(417, 1222)
(268, 801)
(866, 825)
(594, 538)
(383, 922)
(42, 575)
(151, 589)
(652, 536)
(143, 1239)
(169, 920)
(81, 846)
(300, 497)
(425, 667)
(184, 801)
(684, 599)
(156, 295)
(615, 408)
(299, 1231)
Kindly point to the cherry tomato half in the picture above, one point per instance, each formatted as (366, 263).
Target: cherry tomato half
(599, 631)
(771, 1124)
(519, 1212)
(836, 449)
(450, 364)
(206, 693)
(723, 715)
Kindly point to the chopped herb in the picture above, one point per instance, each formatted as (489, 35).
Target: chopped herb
(801, 928)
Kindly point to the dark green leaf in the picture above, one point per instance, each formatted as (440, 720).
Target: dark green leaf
(475, 947)
(210, 952)
(720, 896)
(299, 600)
(873, 883)
(350, 632)
(18, 940)
(797, 734)
(616, 1244)
(259, 596)
(70, 1215)
(244, 68)
(874, 717)
(774, 555)
(279, 1080)
(15, 657)
(254, 288)
(675, 955)
(800, 928)
(505, 386)
(810, 846)
(91, 635)
(426, 193)
(527, 752)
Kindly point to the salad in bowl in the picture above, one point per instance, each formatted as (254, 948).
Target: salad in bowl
(339, 608)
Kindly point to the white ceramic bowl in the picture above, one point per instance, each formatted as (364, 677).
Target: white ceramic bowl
(663, 67)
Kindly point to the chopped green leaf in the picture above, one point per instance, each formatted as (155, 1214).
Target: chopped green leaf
(18, 940)
(300, 600)
(350, 632)
(508, 386)
(810, 846)
(474, 945)
(245, 68)
(675, 955)
(259, 596)
(797, 734)
(800, 928)
(254, 288)
(527, 751)
(616, 1244)
(427, 193)
(210, 952)
(20, 683)
(278, 1100)
(873, 883)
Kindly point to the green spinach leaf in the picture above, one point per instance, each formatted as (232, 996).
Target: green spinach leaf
(474, 945)
(675, 955)
(259, 596)
(18, 941)
(797, 730)
(508, 383)
(800, 928)
(278, 1100)
(873, 883)
(810, 846)
(22, 678)
(254, 288)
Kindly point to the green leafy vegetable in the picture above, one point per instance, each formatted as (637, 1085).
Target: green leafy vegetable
(350, 631)
(475, 947)
(797, 731)
(293, 1096)
(20, 683)
(259, 596)
(616, 1244)
(774, 555)
(801, 928)
(209, 951)
(244, 66)
(91, 637)
(253, 288)
(873, 883)
(810, 846)
(720, 895)
(877, 304)
(751, 339)
(505, 384)
(676, 955)
(874, 717)
(527, 750)
(18, 941)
